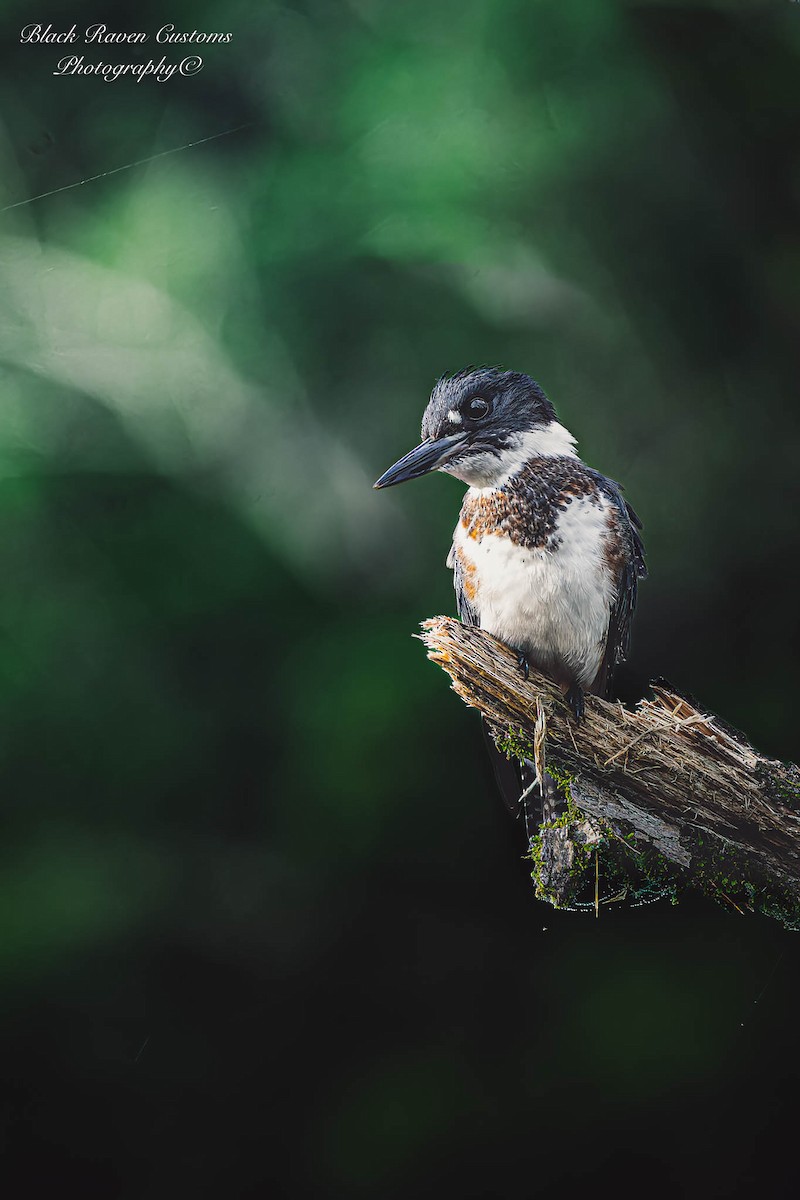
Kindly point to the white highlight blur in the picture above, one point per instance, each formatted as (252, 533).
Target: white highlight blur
(111, 335)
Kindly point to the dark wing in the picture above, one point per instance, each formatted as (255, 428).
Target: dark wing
(631, 569)
(467, 613)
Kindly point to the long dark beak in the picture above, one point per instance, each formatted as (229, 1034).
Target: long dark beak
(423, 458)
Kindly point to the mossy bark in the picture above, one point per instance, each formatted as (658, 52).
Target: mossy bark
(673, 796)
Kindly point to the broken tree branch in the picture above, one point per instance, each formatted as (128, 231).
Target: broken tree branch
(683, 794)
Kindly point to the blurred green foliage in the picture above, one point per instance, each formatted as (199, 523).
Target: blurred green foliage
(261, 919)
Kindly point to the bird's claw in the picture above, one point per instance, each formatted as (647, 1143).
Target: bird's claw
(523, 664)
(575, 701)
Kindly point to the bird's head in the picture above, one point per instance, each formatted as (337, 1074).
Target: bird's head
(482, 426)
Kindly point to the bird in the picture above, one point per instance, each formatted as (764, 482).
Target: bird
(547, 554)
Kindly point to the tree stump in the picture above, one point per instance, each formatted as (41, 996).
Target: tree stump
(666, 795)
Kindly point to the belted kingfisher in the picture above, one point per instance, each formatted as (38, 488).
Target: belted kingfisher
(546, 555)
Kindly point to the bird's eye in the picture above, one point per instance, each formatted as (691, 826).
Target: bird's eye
(476, 408)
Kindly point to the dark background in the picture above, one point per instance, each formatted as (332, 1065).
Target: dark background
(265, 928)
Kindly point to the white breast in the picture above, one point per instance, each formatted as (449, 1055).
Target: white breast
(553, 604)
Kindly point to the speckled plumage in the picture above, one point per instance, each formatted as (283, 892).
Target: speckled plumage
(527, 507)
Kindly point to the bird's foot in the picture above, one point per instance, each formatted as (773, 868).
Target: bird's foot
(575, 701)
(523, 664)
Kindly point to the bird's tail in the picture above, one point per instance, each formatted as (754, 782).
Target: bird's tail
(517, 782)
